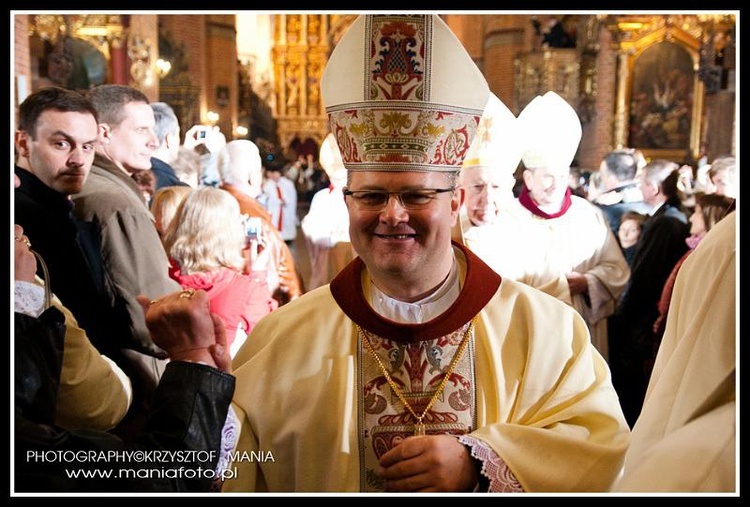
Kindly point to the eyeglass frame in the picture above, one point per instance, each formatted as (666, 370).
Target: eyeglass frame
(433, 193)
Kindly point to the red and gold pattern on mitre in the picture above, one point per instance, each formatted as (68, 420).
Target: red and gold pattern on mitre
(402, 94)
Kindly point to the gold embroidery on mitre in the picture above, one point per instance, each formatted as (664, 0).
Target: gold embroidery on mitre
(400, 125)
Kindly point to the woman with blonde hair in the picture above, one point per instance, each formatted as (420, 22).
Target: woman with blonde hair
(205, 240)
(164, 205)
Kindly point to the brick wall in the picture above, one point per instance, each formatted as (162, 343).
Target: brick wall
(211, 50)
(147, 26)
(21, 57)
(598, 134)
(493, 42)
(189, 29)
(500, 50)
(470, 31)
(221, 65)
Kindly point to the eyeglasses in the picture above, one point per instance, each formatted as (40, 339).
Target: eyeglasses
(376, 200)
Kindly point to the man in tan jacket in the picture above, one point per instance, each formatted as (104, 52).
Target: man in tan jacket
(134, 259)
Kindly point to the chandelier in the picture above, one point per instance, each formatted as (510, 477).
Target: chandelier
(104, 31)
(49, 27)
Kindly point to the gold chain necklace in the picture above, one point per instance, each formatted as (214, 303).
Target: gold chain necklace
(419, 428)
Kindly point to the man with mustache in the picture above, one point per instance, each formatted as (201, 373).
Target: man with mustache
(55, 145)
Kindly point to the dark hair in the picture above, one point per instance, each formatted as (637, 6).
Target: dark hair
(670, 188)
(714, 207)
(145, 180)
(51, 98)
(660, 169)
(639, 218)
(623, 163)
(110, 100)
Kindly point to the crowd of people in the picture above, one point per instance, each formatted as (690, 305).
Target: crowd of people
(465, 327)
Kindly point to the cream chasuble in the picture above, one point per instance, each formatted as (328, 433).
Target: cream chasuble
(316, 410)
(685, 439)
(539, 252)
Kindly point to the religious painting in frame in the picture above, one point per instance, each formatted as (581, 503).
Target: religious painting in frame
(665, 97)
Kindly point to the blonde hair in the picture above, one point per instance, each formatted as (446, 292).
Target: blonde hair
(207, 232)
(164, 205)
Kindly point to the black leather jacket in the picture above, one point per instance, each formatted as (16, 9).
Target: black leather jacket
(177, 450)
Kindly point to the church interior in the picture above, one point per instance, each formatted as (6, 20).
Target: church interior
(662, 83)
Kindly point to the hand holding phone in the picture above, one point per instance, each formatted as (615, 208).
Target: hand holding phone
(198, 134)
(252, 227)
(255, 247)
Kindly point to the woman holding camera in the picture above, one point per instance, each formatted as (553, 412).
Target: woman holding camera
(205, 239)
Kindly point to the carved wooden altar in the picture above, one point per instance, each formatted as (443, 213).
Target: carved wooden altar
(302, 44)
(538, 72)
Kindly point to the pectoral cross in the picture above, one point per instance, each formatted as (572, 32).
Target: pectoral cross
(419, 429)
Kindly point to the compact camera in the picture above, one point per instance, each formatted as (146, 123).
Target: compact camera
(252, 227)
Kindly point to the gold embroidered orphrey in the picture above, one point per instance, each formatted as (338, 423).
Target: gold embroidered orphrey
(419, 428)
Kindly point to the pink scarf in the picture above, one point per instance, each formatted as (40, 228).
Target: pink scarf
(693, 240)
